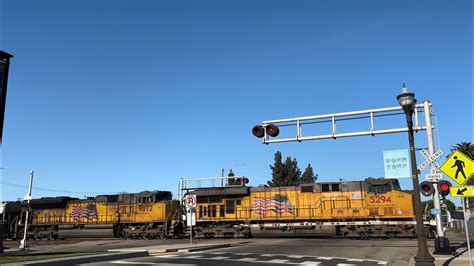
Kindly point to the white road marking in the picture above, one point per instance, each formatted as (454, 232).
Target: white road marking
(166, 256)
(324, 258)
(219, 258)
(217, 253)
(345, 264)
(243, 254)
(267, 255)
(147, 263)
(383, 263)
(355, 260)
(128, 262)
(247, 259)
(277, 261)
(296, 256)
(310, 263)
(192, 257)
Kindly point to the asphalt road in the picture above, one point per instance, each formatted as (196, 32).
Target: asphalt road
(313, 251)
(273, 251)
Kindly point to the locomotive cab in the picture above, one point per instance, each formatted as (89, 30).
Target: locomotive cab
(385, 199)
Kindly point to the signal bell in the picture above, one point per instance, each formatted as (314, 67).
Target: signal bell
(259, 131)
(426, 188)
(443, 187)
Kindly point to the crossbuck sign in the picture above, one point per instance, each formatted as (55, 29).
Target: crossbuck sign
(431, 160)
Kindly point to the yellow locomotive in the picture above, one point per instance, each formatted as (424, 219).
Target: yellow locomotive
(374, 207)
(369, 208)
(130, 215)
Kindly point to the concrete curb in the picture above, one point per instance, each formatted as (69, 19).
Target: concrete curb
(84, 259)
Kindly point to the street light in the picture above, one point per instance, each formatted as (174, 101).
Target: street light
(423, 257)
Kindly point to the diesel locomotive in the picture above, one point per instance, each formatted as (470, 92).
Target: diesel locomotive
(369, 208)
(129, 215)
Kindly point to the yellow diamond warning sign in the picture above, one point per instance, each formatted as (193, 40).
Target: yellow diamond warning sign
(464, 191)
(458, 167)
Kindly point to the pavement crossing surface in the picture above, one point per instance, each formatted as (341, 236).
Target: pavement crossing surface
(206, 258)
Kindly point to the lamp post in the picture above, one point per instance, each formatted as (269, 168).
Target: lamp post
(423, 257)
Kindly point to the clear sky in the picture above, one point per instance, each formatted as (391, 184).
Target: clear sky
(111, 96)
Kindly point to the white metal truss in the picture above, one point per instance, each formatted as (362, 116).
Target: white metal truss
(370, 114)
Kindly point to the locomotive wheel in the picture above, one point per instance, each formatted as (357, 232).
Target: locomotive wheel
(125, 235)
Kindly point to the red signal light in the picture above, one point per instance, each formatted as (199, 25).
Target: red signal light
(245, 180)
(444, 187)
(272, 130)
(426, 188)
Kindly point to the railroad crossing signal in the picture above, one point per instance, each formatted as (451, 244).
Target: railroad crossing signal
(430, 159)
(458, 167)
(443, 187)
(190, 201)
(464, 191)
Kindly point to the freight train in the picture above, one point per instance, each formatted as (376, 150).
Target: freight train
(129, 215)
(369, 208)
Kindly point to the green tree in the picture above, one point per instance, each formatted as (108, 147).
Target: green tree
(278, 171)
(292, 172)
(465, 147)
(284, 174)
(308, 176)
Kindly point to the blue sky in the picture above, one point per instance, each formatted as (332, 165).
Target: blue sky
(110, 96)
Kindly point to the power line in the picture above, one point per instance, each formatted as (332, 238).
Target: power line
(56, 190)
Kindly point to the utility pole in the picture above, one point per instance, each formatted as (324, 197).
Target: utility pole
(23, 242)
(441, 242)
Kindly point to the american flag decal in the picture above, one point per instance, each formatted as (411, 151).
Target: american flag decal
(89, 212)
(278, 204)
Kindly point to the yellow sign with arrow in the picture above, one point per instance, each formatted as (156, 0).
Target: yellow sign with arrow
(458, 167)
(464, 191)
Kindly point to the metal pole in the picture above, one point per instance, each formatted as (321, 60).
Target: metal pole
(23, 243)
(222, 180)
(191, 223)
(423, 257)
(441, 242)
(4, 68)
(467, 231)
